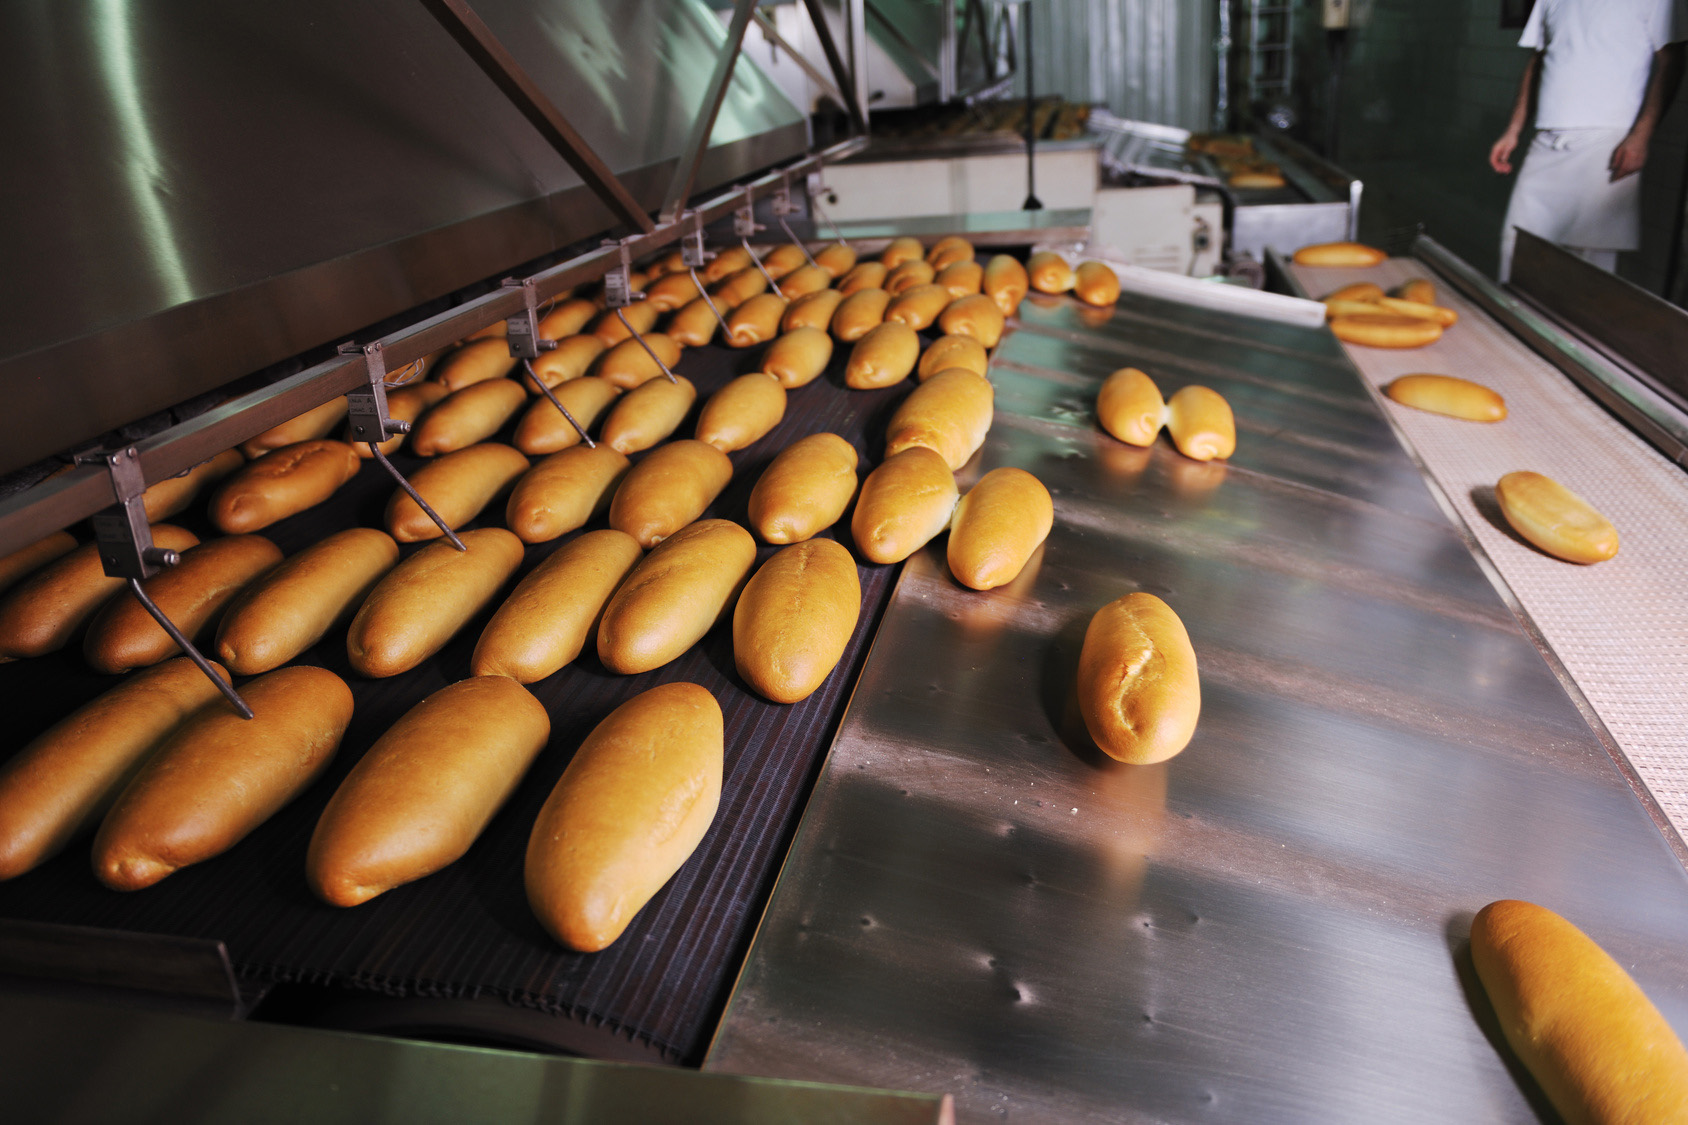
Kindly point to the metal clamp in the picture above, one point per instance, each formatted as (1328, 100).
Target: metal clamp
(527, 365)
(522, 330)
(618, 282)
(693, 254)
(370, 422)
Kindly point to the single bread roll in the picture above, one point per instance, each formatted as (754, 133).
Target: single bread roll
(1130, 407)
(997, 526)
(784, 259)
(804, 490)
(543, 429)
(742, 412)
(282, 483)
(756, 321)
(563, 491)
(669, 489)
(426, 599)
(218, 776)
(544, 624)
(646, 415)
(632, 806)
(62, 782)
(795, 618)
(739, 288)
(860, 313)
(1049, 272)
(1418, 289)
(1444, 394)
(475, 362)
(867, 275)
(1005, 283)
(949, 414)
(1368, 291)
(25, 561)
(904, 504)
(405, 404)
(470, 415)
(732, 260)
(1386, 330)
(798, 357)
(949, 250)
(1582, 1026)
(882, 357)
(671, 291)
(900, 250)
(803, 281)
(457, 486)
(316, 423)
(1555, 519)
(813, 311)
(976, 316)
(1442, 316)
(424, 792)
(953, 351)
(496, 328)
(294, 606)
(1255, 180)
(629, 365)
(610, 329)
(908, 275)
(172, 495)
(836, 259)
(672, 262)
(570, 359)
(961, 279)
(1335, 308)
(43, 611)
(918, 305)
(1339, 254)
(1137, 685)
(694, 325)
(568, 319)
(675, 595)
(1095, 283)
(1201, 425)
(192, 594)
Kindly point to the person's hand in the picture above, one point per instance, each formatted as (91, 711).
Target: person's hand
(1500, 155)
(1629, 157)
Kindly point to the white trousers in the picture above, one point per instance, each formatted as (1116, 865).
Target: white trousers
(1565, 194)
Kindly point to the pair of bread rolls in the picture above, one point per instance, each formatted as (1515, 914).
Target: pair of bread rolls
(1129, 406)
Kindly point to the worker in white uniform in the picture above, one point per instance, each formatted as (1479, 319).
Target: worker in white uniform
(1608, 69)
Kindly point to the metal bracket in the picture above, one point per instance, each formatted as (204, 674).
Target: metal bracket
(692, 252)
(522, 330)
(744, 219)
(618, 285)
(370, 423)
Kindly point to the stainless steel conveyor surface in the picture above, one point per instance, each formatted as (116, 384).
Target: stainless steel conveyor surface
(1270, 927)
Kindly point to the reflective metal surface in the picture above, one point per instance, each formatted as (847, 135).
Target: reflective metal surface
(1270, 927)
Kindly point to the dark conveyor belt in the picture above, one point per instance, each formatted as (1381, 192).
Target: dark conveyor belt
(466, 932)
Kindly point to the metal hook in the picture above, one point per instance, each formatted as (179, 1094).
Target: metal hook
(704, 293)
(192, 653)
(814, 205)
(546, 391)
(410, 489)
(757, 262)
(621, 316)
(786, 227)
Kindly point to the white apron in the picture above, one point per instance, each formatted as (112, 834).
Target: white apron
(1564, 194)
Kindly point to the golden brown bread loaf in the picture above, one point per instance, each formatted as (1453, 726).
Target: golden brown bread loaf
(218, 776)
(798, 357)
(882, 357)
(427, 598)
(457, 486)
(918, 306)
(1418, 289)
(647, 414)
(172, 495)
(952, 351)
(545, 622)
(836, 259)
(1442, 316)
(866, 275)
(405, 404)
(25, 561)
(756, 321)
(908, 275)
(470, 415)
(904, 504)
(563, 491)
(1386, 330)
(1256, 179)
(568, 319)
(632, 806)
(960, 279)
(742, 412)
(813, 311)
(1049, 272)
(671, 291)
(424, 792)
(1335, 307)
(1138, 689)
(669, 489)
(609, 327)
(1200, 422)
(803, 281)
(695, 324)
(63, 781)
(1096, 283)
(739, 288)
(795, 618)
(1005, 283)
(784, 259)
(1555, 519)
(543, 429)
(949, 250)
(675, 595)
(570, 359)
(1445, 394)
(315, 423)
(860, 313)
(950, 414)
(1339, 254)
(628, 365)
(286, 611)
(976, 316)
(282, 483)
(997, 526)
(44, 610)
(475, 362)
(804, 490)
(732, 260)
(900, 250)
(1586, 1031)
(1369, 292)
(192, 594)
(1130, 407)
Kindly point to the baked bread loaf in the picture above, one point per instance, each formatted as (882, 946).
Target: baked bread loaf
(949, 250)
(286, 611)
(1250, 179)
(1386, 330)
(647, 415)
(172, 495)
(1555, 519)
(804, 490)
(1442, 316)
(457, 486)
(544, 624)
(1137, 684)
(1006, 282)
(783, 260)
(632, 806)
(795, 619)
(1368, 292)
(671, 291)
(1201, 425)
(1049, 272)
(803, 281)
(908, 275)
(570, 359)
(569, 318)
(25, 561)
(675, 595)
(952, 351)
(918, 306)
(865, 275)
(904, 504)
(900, 250)
(739, 288)
(628, 364)
(669, 489)
(1445, 394)
(798, 357)
(424, 792)
(1096, 283)
(423, 602)
(1585, 1030)
(732, 260)
(997, 526)
(860, 313)
(756, 321)
(1335, 307)
(742, 412)
(282, 483)
(641, 315)
(813, 311)
(836, 259)
(404, 404)
(318, 422)
(219, 776)
(1339, 254)
(961, 279)
(1418, 289)
(1130, 407)
(62, 782)
(882, 357)
(976, 316)
(949, 414)
(192, 594)
(563, 491)
(470, 415)
(695, 324)
(543, 429)
(475, 362)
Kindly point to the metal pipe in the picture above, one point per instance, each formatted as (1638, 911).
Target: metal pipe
(192, 653)
(685, 171)
(375, 448)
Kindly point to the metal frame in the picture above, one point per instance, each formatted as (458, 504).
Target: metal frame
(685, 172)
(850, 78)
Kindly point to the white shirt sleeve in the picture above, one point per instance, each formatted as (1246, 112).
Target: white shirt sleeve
(1534, 36)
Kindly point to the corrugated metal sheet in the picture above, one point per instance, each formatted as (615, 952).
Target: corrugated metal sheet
(1149, 60)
